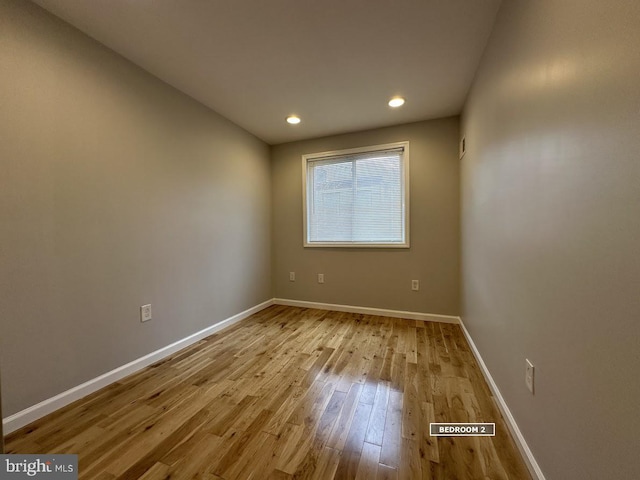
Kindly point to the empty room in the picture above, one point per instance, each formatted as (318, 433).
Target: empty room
(334, 239)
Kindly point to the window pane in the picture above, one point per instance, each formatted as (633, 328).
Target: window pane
(332, 209)
(356, 198)
(378, 213)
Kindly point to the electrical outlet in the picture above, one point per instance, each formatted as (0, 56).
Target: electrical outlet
(321, 278)
(528, 379)
(415, 285)
(292, 276)
(145, 313)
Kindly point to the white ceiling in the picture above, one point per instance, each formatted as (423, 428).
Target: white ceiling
(335, 63)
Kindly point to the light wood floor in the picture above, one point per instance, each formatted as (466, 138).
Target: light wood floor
(291, 393)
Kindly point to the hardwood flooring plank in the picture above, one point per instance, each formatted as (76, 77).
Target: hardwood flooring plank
(358, 430)
(279, 475)
(385, 472)
(135, 447)
(391, 444)
(327, 464)
(316, 456)
(375, 429)
(428, 444)
(233, 452)
(158, 471)
(341, 430)
(228, 414)
(411, 426)
(183, 433)
(368, 467)
(308, 433)
(348, 466)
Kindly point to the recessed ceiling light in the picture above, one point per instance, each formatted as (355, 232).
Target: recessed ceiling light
(396, 102)
(293, 119)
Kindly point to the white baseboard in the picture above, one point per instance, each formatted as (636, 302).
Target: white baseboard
(521, 443)
(28, 415)
(427, 317)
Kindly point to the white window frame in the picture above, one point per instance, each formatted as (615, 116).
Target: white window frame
(306, 159)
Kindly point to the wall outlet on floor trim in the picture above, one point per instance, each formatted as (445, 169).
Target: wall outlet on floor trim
(529, 372)
(292, 276)
(145, 313)
(321, 278)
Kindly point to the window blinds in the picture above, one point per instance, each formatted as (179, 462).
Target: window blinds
(356, 198)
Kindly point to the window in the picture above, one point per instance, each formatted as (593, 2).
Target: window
(357, 197)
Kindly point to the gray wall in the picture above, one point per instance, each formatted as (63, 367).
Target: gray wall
(376, 277)
(551, 228)
(115, 191)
